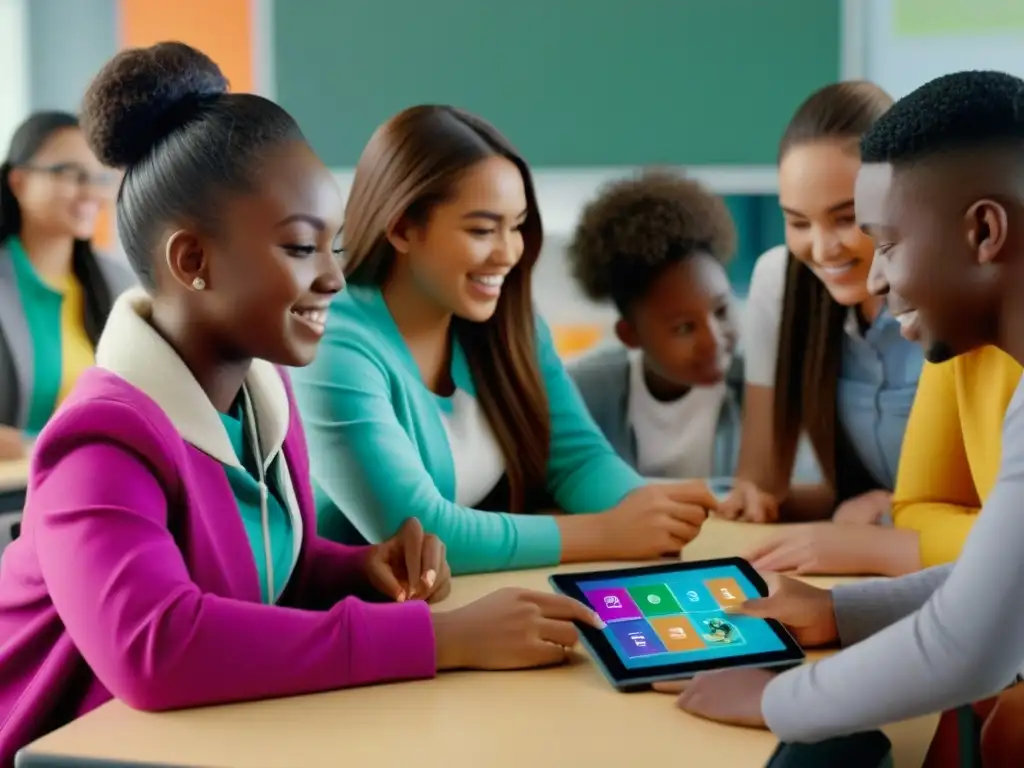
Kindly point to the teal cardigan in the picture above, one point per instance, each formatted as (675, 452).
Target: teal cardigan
(379, 451)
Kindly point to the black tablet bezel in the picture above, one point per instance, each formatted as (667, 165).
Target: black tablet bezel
(570, 584)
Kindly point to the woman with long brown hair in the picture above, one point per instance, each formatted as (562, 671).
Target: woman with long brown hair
(438, 393)
(824, 357)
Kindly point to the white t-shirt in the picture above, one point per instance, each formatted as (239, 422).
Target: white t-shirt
(477, 457)
(675, 439)
(763, 317)
(761, 323)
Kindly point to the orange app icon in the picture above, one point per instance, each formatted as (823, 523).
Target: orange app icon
(725, 592)
(677, 633)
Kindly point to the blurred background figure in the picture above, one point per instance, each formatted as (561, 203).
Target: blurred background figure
(55, 292)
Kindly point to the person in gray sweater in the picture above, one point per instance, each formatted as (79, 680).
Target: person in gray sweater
(941, 192)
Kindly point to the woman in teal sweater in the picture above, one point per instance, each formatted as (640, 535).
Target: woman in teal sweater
(438, 394)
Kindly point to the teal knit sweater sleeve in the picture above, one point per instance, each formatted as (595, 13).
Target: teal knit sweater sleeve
(585, 474)
(365, 461)
(375, 445)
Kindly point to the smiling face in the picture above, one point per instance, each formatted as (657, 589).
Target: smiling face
(61, 189)
(460, 255)
(685, 323)
(816, 188)
(934, 262)
(272, 269)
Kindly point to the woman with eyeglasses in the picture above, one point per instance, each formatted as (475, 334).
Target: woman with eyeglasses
(55, 292)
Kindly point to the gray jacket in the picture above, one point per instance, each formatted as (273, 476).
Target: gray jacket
(602, 377)
(16, 368)
(922, 643)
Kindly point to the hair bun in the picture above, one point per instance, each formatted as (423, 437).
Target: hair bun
(142, 95)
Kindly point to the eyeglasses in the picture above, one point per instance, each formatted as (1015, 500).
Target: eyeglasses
(73, 173)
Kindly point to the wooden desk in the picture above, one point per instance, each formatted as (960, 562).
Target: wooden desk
(13, 479)
(566, 716)
(13, 475)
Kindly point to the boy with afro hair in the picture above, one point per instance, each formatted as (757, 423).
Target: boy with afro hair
(668, 398)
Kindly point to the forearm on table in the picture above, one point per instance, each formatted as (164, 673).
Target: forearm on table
(876, 678)
(864, 608)
(478, 542)
(333, 571)
(583, 538)
(895, 552)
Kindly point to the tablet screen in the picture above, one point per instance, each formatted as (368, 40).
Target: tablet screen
(667, 617)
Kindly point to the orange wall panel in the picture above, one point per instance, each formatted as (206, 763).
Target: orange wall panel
(220, 28)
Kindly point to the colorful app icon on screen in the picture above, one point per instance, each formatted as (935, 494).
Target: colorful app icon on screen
(677, 633)
(719, 631)
(655, 599)
(613, 604)
(637, 638)
(725, 592)
(694, 598)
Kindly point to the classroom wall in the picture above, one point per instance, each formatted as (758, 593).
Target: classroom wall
(704, 86)
(68, 42)
(221, 28)
(573, 83)
(908, 42)
(645, 103)
(15, 66)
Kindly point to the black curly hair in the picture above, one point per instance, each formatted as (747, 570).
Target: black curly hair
(636, 228)
(957, 111)
(164, 115)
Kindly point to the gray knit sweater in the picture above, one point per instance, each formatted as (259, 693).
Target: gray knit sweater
(927, 642)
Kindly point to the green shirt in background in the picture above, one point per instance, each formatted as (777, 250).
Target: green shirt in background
(43, 305)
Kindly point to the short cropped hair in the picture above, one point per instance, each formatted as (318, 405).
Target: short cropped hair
(636, 228)
(953, 112)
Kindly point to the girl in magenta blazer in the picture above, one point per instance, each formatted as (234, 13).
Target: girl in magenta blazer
(168, 554)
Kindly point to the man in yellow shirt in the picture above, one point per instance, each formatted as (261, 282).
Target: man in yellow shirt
(951, 450)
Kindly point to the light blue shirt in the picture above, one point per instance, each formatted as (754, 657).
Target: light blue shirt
(877, 382)
(878, 372)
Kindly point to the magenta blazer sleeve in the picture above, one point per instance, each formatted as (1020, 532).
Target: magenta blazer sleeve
(120, 585)
(331, 572)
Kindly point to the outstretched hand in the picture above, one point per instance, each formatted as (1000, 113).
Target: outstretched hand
(730, 696)
(748, 503)
(826, 548)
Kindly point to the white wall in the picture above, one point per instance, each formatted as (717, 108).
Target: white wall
(14, 104)
(900, 63)
(561, 195)
(562, 192)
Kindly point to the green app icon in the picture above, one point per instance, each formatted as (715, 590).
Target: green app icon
(655, 600)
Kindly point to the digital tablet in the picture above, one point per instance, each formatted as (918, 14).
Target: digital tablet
(666, 622)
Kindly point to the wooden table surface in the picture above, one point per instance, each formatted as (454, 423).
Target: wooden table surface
(567, 716)
(13, 475)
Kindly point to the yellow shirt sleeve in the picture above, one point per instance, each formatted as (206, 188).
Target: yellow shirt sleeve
(77, 353)
(935, 491)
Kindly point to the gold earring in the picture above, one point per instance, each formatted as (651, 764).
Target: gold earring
(198, 284)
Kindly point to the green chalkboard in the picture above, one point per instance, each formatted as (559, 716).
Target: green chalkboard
(570, 82)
